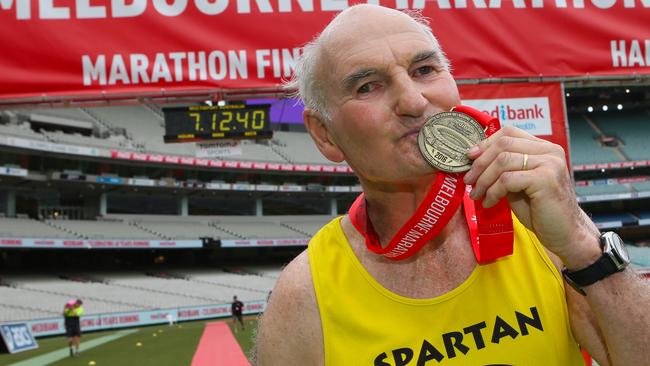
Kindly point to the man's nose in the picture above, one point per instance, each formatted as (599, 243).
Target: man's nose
(409, 98)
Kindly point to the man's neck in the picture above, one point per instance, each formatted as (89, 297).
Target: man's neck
(441, 265)
(389, 208)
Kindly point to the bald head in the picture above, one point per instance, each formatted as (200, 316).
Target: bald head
(356, 24)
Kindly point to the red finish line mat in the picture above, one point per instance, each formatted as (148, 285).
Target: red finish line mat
(218, 347)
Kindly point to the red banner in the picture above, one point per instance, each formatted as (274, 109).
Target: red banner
(101, 48)
(537, 108)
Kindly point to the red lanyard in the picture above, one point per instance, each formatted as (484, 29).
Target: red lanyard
(490, 229)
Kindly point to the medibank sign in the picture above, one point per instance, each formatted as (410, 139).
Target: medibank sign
(532, 115)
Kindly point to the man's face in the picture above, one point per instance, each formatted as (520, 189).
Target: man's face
(383, 79)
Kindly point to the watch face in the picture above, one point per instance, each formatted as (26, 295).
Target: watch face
(617, 247)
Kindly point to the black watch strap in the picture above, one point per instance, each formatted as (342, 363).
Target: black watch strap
(600, 269)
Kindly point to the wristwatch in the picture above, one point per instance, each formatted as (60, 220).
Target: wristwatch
(614, 259)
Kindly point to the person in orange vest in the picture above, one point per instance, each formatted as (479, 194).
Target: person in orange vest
(72, 312)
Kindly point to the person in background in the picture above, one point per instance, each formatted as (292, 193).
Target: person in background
(72, 312)
(236, 309)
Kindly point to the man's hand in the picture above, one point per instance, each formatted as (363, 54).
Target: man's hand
(533, 174)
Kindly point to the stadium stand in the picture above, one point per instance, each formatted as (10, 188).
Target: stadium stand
(37, 296)
(601, 189)
(20, 130)
(585, 148)
(103, 229)
(298, 148)
(141, 128)
(28, 228)
(168, 227)
(625, 125)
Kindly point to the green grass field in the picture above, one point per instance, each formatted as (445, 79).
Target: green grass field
(161, 345)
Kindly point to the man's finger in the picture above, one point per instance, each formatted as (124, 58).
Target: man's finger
(509, 182)
(484, 159)
(505, 162)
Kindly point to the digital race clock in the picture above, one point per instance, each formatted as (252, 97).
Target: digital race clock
(236, 120)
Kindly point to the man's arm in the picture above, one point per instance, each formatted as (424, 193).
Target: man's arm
(586, 324)
(533, 174)
(290, 331)
(612, 321)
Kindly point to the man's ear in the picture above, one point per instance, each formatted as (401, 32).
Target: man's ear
(315, 124)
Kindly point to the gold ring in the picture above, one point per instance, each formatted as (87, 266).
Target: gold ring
(524, 166)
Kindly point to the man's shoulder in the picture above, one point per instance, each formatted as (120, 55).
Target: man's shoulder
(295, 279)
(290, 332)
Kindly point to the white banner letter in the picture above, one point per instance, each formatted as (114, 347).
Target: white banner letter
(177, 7)
(121, 10)
(87, 11)
(49, 11)
(211, 7)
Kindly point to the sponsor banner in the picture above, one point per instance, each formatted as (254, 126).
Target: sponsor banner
(96, 244)
(52, 147)
(216, 311)
(17, 337)
(609, 197)
(155, 158)
(356, 188)
(185, 160)
(219, 186)
(291, 188)
(529, 114)
(217, 148)
(14, 172)
(608, 224)
(139, 156)
(109, 180)
(232, 164)
(537, 108)
(237, 243)
(54, 326)
(338, 189)
(246, 165)
(136, 46)
(266, 187)
(144, 182)
(616, 165)
(243, 187)
(170, 159)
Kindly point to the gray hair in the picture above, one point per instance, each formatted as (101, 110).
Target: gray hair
(305, 84)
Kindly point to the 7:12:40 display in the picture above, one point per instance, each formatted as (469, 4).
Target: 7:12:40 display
(196, 123)
(222, 121)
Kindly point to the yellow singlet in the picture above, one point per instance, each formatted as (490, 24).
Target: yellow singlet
(510, 312)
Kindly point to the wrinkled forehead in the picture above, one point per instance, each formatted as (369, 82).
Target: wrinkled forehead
(363, 24)
(369, 37)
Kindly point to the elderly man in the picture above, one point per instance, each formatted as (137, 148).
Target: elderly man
(369, 82)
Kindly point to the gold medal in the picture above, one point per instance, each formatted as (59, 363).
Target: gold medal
(445, 138)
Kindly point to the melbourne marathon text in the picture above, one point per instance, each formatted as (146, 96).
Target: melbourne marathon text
(83, 9)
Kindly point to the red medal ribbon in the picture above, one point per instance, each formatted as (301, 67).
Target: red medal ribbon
(490, 229)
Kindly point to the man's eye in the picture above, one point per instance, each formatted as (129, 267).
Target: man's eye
(365, 88)
(424, 70)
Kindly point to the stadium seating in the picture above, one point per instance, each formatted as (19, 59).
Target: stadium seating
(167, 227)
(102, 229)
(603, 189)
(298, 147)
(26, 228)
(21, 130)
(141, 128)
(584, 145)
(626, 126)
(39, 296)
